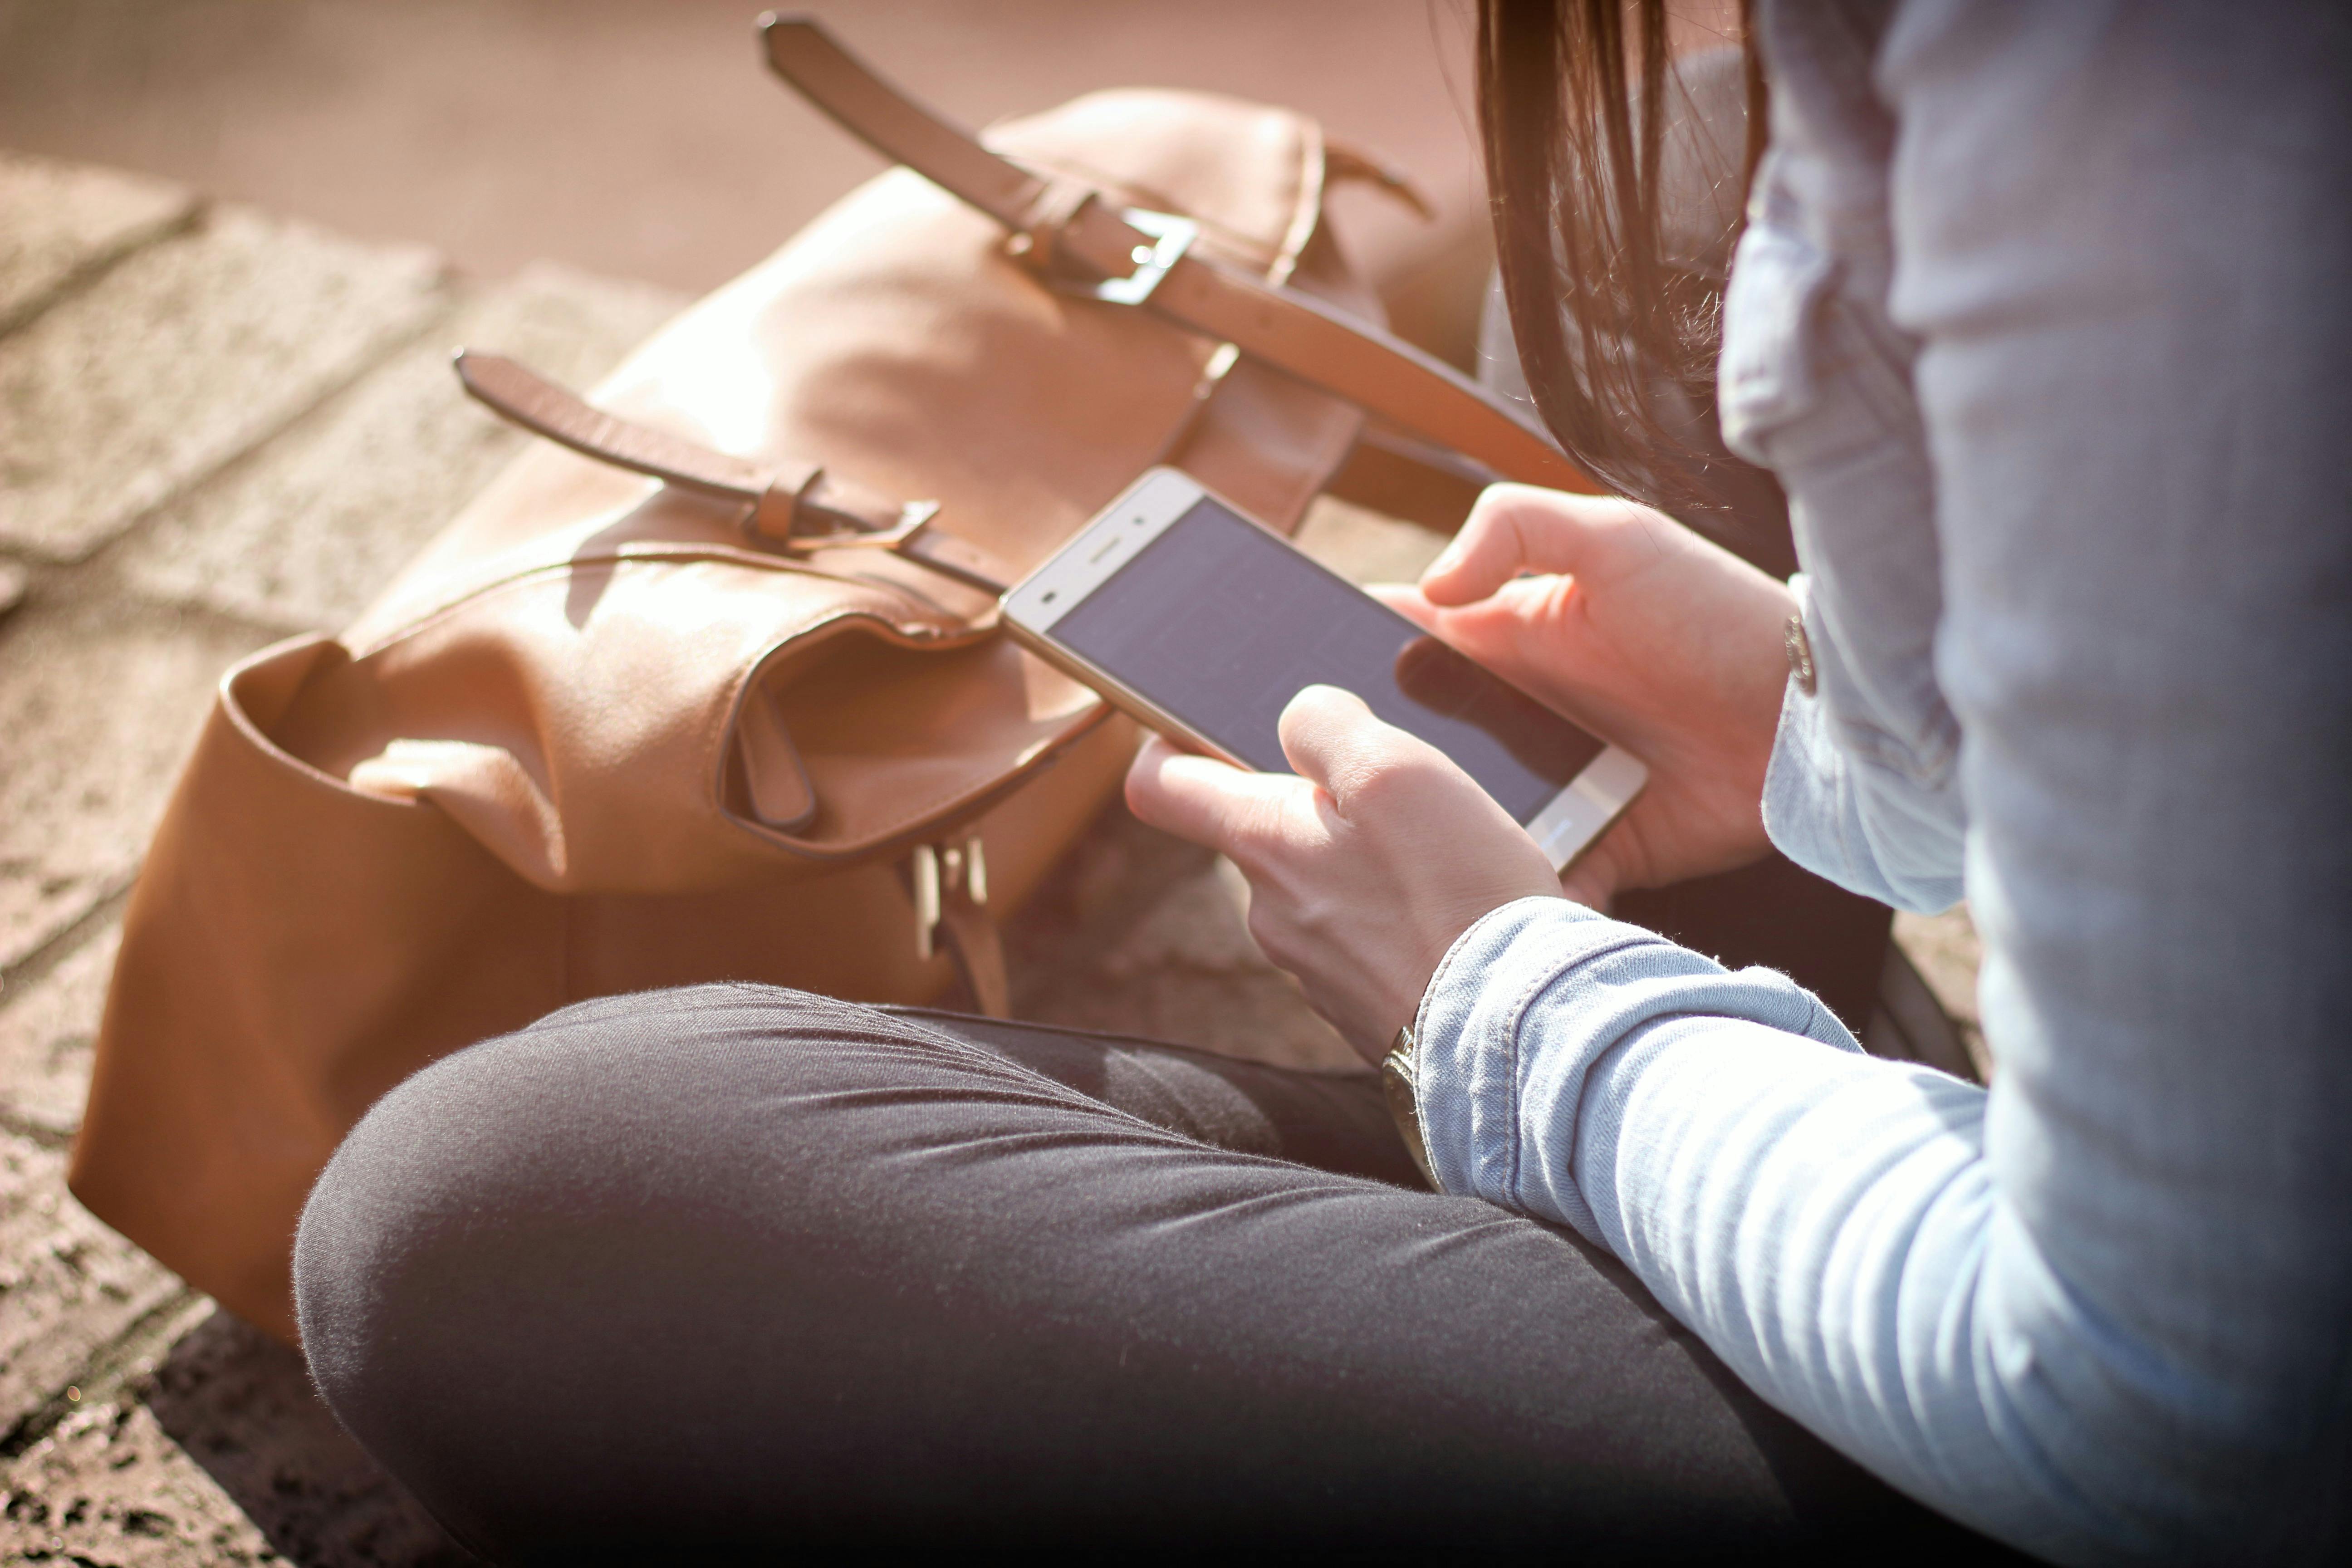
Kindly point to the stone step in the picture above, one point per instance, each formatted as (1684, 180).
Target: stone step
(181, 358)
(60, 222)
(110, 1486)
(303, 534)
(46, 1028)
(69, 1286)
(99, 701)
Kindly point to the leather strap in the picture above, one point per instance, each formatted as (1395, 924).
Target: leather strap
(795, 506)
(1291, 331)
(1342, 162)
(979, 952)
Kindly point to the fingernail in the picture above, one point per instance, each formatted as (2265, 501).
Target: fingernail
(1447, 559)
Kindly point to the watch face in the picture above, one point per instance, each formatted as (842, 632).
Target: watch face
(1800, 649)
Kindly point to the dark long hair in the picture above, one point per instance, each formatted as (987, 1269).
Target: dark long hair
(1572, 106)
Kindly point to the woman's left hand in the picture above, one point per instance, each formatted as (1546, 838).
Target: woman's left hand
(1364, 868)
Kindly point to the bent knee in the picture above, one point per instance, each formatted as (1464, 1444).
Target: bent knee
(537, 1131)
(488, 1234)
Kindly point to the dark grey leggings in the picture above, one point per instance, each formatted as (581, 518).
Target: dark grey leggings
(734, 1269)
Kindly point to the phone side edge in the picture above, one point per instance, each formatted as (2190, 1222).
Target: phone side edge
(1117, 693)
(1589, 805)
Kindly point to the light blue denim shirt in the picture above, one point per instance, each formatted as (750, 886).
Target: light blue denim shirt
(2041, 318)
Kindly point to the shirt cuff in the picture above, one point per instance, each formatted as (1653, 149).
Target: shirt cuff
(1519, 1019)
(1468, 1080)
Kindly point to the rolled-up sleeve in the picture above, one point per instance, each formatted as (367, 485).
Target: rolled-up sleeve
(2105, 1310)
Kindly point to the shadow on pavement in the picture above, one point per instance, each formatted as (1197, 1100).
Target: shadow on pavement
(242, 1406)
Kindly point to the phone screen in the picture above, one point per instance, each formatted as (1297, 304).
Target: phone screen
(1222, 624)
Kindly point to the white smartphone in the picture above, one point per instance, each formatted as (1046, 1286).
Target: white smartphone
(1205, 625)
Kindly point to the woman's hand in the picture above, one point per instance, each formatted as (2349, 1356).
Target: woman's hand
(1648, 633)
(1364, 868)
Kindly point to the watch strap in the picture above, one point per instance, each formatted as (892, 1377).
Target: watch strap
(1399, 1082)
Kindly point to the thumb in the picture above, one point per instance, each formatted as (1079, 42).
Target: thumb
(1335, 742)
(1407, 601)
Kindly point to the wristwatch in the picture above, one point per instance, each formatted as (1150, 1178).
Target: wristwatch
(1800, 649)
(1397, 1070)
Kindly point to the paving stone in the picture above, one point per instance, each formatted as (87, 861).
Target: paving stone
(241, 1406)
(110, 1486)
(98, 705)
(181, 358)
(61, 221)
(69, 1286)
(46, 1028)
(303, 533)
(1946, 950)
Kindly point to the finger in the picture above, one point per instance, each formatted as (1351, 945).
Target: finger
(1334, 741)
(1318, 729)
(1202, 799)
(1501, 631)
(1407, 601)
(1518, 528)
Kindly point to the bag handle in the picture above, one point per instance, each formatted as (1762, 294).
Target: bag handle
(1145, 260)
(795, 507)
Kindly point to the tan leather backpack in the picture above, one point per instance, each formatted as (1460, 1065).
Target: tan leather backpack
(725, 697)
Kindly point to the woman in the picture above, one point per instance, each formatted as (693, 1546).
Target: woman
(2037, 318)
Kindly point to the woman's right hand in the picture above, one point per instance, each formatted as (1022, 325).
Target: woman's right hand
(1643, 630)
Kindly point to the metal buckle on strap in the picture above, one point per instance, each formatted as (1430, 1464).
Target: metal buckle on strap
(943, 871)
(1173, 235)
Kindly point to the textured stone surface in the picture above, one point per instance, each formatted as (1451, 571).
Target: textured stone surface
(69, 1286)
(46, 1029)
(218, 1453)
(58, 223)
(110, 1486)
(304, 535)
(98, 702)
(241, 1406)
(178, 360)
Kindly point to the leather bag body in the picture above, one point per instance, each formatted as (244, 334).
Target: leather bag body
(636, 720)
(592, 740)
